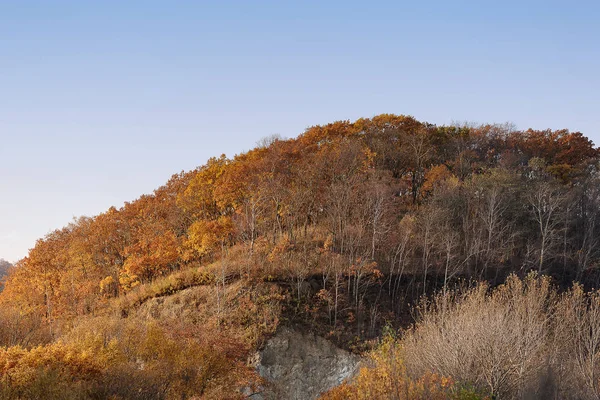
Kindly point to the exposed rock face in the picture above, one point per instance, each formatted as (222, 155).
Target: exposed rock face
(302, 366)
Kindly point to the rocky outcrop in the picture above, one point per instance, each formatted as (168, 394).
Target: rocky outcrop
(301, 366)
(295, 365)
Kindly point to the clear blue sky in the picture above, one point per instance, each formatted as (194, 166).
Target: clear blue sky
(102, 101)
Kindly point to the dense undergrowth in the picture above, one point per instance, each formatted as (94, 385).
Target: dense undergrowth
(175, 344)
(521, 340)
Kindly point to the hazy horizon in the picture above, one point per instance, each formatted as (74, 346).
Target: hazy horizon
(102, 103)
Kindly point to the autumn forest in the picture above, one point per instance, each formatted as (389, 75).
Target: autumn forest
(460, 262)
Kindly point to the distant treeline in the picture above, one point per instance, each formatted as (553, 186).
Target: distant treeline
(4, 267)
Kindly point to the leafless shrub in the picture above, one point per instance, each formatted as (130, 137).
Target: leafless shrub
(497, 340)
(577, 342)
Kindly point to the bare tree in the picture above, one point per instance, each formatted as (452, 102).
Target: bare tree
(428, 222)
(587, 240)
(418, 151)
(546, 204)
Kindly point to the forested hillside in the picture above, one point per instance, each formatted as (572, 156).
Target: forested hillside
(335, 231)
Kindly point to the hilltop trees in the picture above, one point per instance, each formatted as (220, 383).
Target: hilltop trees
(339, 229)
(359, 206)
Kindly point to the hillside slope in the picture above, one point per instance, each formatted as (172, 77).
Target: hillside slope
(334, 232)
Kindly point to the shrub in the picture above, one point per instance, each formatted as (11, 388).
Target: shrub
(519, 340)
(386, 377)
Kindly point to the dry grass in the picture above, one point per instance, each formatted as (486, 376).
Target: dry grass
(166, 286)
